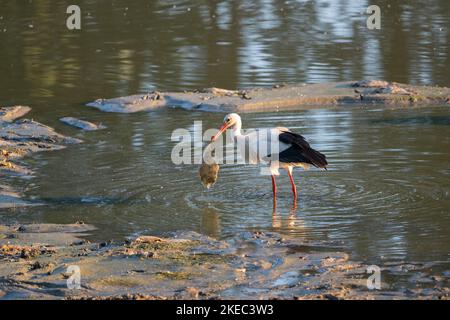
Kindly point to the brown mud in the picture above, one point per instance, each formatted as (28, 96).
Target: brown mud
(35, 261)
(282, 97)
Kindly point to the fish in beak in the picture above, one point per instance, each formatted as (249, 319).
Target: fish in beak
(222, 129)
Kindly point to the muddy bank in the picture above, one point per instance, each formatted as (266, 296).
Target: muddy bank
(19, 138)
(282, 97)
(35, 263)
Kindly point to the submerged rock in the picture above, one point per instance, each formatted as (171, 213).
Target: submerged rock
(82, 124)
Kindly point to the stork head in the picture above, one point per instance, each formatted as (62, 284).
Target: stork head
(230, 120)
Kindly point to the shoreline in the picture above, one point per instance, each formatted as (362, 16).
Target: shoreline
(20, 138)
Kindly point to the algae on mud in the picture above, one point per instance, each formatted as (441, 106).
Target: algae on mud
(185, 265)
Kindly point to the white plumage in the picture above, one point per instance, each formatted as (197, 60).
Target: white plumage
(278, 147)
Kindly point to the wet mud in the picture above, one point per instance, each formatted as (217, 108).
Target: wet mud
(282, 97)
(20, 138)
(37, 262)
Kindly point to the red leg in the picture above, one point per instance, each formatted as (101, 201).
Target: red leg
(274, 188)
(294, 188)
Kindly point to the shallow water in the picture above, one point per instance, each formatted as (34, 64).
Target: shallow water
(386, 193)
(384, 197)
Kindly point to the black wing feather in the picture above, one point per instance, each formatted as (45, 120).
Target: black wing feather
(300, 151)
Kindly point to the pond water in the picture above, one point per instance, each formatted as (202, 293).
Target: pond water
(385, 195)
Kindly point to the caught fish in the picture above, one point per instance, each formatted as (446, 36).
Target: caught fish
(209, 174)
(209, 170)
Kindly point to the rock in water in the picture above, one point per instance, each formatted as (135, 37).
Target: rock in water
(81, 124)
(209, 174)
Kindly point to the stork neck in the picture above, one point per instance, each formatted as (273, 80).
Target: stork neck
(237, 128)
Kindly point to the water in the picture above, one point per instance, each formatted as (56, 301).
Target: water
(124, 48)
(385, 196)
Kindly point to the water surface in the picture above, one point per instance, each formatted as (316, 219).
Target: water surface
(386, 193)
(137, 46)
(385, 196)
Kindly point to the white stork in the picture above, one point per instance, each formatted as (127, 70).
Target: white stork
(293, 149)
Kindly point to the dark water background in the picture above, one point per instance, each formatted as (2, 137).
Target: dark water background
(386, 194)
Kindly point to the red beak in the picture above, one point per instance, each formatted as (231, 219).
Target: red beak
(223, 128)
